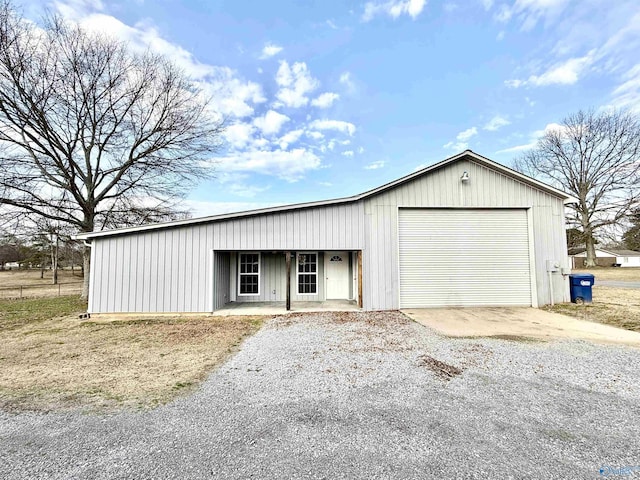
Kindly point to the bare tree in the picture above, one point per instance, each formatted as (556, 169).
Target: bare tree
(631, 236)
(594, 156)
(93, 134)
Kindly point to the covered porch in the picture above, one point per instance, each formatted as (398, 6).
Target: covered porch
(280, 308)
(274, 282)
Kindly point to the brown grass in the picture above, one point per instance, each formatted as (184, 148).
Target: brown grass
(34, 286)
(62, 362)
(626, 274)
(619, 307)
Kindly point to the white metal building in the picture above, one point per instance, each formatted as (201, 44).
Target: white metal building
(608, 257)
(464, 232)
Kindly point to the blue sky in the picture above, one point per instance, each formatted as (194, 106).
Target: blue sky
(329, 98)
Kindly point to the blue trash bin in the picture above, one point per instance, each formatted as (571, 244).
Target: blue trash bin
(580, 287)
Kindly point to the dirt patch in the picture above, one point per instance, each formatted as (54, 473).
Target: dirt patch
(619, 307)
(441, 369)
(63, 362)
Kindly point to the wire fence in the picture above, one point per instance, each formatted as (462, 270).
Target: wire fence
(41, 290)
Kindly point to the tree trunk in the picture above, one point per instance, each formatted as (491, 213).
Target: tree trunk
(54, 261)
(591, 249)
(86, 267)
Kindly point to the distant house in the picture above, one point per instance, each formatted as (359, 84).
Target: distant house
(607, 258)
(464, 232)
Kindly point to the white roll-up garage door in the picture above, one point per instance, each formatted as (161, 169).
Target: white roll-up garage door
(475, 257)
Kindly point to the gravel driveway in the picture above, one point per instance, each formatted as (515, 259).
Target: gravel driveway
(360, 395)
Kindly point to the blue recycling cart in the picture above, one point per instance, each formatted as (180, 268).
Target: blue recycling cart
(580, 286)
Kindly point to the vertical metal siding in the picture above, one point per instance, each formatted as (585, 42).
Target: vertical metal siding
(443, 188)
(165, 257)
(169, 270)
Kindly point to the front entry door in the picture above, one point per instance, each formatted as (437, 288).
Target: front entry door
(337, 273)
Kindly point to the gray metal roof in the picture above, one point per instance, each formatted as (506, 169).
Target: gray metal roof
(226, 216)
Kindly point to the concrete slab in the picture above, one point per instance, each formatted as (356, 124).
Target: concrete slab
(518, 322)
(278, 308)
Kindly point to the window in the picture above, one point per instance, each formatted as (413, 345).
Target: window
(307, 273)
(249, 274)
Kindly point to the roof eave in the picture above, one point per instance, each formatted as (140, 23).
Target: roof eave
(281, 208)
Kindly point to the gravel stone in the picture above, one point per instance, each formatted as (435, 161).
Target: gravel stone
(349, 395)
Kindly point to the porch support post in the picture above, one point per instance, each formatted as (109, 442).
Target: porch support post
(287, 256)
(360, 278)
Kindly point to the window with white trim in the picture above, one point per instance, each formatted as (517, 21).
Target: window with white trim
(307, 273)
(249, 274)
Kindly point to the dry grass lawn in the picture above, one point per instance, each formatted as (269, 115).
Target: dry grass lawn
(34, 286)
(52, 360)
(627, 274)
(619, 307)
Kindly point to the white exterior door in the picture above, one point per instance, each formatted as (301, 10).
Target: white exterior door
(337, 275)
(455, 257)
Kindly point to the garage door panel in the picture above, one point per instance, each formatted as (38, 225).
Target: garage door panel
(463, 258)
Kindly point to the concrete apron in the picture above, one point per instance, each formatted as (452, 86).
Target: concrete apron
(518, 322)
(278, 308)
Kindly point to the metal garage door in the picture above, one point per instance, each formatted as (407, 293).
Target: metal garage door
(463, 258)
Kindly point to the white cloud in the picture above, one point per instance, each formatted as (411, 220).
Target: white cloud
(236, 184)
(348, 153)
(315, 135)
(290, 137)
(255, 144)
(345, 79)
(375, 165)
(530, 12)
(271, 122)
(462, 139)
(533, 138)
(393, 8)
(238, 135)
(518, 148)
(487, 4)
(77, 9)
(339, 125)
(563, 73)
(295, 83)
(627, 94)
(467, 134)
(231, 95)
(496, 123)
(245, 190)
(290, 165)
(325, 100)
(270, 50)
(325, 184)
(500, 36)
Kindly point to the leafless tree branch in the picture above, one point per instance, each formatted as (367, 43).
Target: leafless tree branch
(594, 156)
